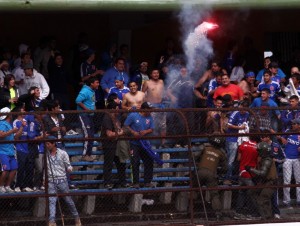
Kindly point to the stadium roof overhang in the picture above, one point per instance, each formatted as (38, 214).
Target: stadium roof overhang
(138, 5)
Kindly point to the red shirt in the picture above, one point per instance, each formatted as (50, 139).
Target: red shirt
(249, 154)
(233, 90)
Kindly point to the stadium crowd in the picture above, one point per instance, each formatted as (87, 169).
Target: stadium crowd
(38, 80)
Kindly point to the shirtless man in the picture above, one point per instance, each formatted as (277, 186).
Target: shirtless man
(133, 99)
(154, 90)
(248, 86)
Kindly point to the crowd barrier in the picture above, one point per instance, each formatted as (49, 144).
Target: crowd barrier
(176, 196)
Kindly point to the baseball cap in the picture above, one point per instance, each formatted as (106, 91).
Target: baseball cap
(119, 77)
(4, 110)
(146, 105)
(28, 66)
(250, 74)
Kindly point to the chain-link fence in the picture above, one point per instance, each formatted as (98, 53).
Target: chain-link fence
(206, 166)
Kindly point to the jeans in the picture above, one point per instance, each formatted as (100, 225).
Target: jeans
(231, 150)
(60, 186)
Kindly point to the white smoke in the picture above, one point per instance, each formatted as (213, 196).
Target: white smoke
(197, 47)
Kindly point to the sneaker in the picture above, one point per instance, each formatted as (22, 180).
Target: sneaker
(250, 217)
(149, 185)
(227, 182)
(136, 186)
(52, 224)
(88, 158)
(186, 146)
(17, 189)
(9, 190)
(108, 186)
(288, 206)
(124, 185)
(2, 190)
(78, 222)
(277, 216)
(27, 189)
(71, 132)
(42, 188)
(177, 146)
(35, 189)
(73, 187)
(239, 216)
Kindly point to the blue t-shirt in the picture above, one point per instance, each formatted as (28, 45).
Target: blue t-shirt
(236, 119)
(119, 92)
(291, 148)
(138, 122)
(22, 147)
(274, 88)
(260, 74)
(211, 86)
(257, 102)
(7, 149)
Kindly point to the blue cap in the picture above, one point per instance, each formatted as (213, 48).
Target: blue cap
(250, 74)
(119, 77)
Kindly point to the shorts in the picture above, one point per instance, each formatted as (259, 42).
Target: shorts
(8, 163)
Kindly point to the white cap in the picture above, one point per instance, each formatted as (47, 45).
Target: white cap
(4, 110)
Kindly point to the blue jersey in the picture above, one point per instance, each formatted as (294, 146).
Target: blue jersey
(138, 122)
(236, 119)
(291, 149)
(257, 102)
(35, 130)
(287, 116)
(22, 147)
(119, 92)
(260, 74)
(6, 149)
(274, 88)
(211, 86)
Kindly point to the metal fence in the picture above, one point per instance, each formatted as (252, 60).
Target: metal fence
(155, 178)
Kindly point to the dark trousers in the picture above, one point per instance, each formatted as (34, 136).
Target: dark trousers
(87, 125)
(138, 154)
(264, 200)
(25, 170)
(209, 179)
(109, 158)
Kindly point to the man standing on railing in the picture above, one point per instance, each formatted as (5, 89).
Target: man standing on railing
(140, 124)
(86, 101)
(58, 164)
(211, 158)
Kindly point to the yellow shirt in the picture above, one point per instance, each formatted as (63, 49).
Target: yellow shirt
(12, 95)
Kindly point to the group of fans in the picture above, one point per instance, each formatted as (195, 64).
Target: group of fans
(111, 86)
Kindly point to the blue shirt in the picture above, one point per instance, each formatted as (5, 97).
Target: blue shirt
(7, 149)
(274, 88)
(236, 119)
(35, 130)
(291, 148)
(138, 122)
(258, 101)
(87, 97)
(260, 74)
(22, 147)
(108, 79)
(119, 92)
(211, 86)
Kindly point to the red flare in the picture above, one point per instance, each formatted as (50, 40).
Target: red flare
(211, 26)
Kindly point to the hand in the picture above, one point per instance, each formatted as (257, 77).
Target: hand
(136, 134)
(161, 60)
(248, 168)
(143, 132)
(15, 129)
(24, 123)
(100, 72)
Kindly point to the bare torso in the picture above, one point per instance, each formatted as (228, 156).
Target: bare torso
(133, 100)
(154, 91)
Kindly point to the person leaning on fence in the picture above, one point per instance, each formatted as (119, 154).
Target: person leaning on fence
(140, 124)
(111, 128)
(265, 175)
(58, 164)
(9, 164)
(211, 158)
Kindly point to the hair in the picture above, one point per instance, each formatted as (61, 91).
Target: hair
(296, 75)
(7, 79)
(32, 88)
(294, 97)
(25, 54)
(266, 90)
(219, 98)
(91, 80)
(118, 59)
(131, 82)
(245, 103)
(112, 105)
(52, 104)
(223, 74)
(268, 72)
(112, 97)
